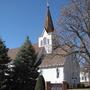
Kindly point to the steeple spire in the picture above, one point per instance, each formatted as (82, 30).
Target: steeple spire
(48, 22)
(47, 38)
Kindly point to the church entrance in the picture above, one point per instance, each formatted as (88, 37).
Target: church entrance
(56, 86)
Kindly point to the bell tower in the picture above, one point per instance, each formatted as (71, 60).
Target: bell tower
(46, 39)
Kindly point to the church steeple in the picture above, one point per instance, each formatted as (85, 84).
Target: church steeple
(48, 22)
(46, 40)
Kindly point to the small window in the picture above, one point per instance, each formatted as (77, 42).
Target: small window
(57, 72)
(85, 78)
(44, 41)
(47, 41)
(82, 78)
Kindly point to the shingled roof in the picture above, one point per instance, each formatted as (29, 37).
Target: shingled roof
(13, 52)
(49, 61)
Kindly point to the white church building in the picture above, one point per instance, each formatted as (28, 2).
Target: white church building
(56, 68)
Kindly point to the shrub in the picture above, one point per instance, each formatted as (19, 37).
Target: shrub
(40, 84)
(81, 85)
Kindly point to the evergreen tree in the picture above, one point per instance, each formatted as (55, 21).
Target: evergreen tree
(27, 53)
(40, 85)
(4, 59)
(24, 72)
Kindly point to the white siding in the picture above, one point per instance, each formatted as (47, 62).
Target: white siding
(51, 75)
(47, 44)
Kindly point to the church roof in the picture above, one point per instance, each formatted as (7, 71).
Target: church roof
(13, 52)
(55, 59)
(48, 22)
(49, 61)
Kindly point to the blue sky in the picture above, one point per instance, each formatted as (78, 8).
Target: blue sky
(21, 18)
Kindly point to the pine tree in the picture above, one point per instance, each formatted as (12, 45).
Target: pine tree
(24, 73)
(40, 85)
(4, 59)
(27, 53)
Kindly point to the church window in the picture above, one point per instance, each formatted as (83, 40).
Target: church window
(57, 72)
(82, 78)
(47, 41)
(85, 78)
(44, 41)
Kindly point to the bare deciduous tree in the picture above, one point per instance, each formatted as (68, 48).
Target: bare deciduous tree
(75, 21)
